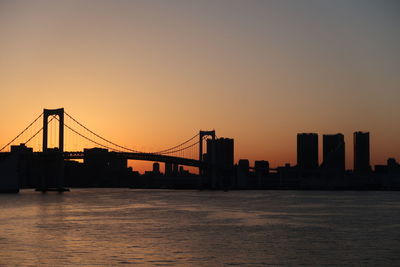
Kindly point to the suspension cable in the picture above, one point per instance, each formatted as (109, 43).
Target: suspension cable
(104, 139)
(181, 149)
(91, 140)
(175, 149)
(41, 129)
(126, 148)
(184, 148)
(167, 150)
(22, 132)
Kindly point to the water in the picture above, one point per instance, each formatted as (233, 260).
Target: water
(108, 227)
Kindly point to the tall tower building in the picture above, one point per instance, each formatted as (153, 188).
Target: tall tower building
(223, 151)
(307, 151)
(168, 168)
(361, 152)
(334, 152)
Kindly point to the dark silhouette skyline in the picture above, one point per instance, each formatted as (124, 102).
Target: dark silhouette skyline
(55, 169)
(361, 152)
(307, 150)
(265, 77)
(334, 152)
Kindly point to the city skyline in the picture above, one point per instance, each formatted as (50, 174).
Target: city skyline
(106, 164)
(199, 132)
(258, 72)
(52, 128)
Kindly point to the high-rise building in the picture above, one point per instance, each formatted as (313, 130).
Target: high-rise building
(307, 151)
(334, 152)
(168, 168)
(361, 152)
(243, 166)
(261, 167)
(243, 172)
(223, 152)
(220, 155)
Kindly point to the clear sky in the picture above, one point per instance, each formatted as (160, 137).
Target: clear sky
(149, 74)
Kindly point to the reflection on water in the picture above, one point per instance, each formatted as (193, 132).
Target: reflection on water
(200, 228)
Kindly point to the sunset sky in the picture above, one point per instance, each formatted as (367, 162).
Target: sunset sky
(150, 74)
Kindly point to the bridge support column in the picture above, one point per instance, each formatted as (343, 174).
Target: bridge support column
(52, 177)
(200, 153)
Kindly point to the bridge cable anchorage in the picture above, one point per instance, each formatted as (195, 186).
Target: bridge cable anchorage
(123, 147)
(21, 132)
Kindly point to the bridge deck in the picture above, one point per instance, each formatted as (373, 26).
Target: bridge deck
(144, 156)
(132, 156)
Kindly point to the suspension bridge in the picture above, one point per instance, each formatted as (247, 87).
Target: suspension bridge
(188, 153)
(74, 137)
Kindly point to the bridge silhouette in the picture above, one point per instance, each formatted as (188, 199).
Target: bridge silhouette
(172, 154)
(186, 153)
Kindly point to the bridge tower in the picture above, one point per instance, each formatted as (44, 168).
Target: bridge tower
(52, 161)
(201, 136)
(60, 113)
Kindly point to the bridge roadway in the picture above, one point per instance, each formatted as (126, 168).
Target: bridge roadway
(144, 156)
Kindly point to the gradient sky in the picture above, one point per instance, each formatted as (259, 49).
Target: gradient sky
(149, 74)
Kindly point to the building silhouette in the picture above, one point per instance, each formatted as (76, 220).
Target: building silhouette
(307, 151)
(156, 168)
(243, 166)
(54, 168)
(361, 152)
(102, 166)
(334, 152)
(261, 167)
(22, 149)
(223, 152)
(168, 169)
(220, 153)
(242, 173)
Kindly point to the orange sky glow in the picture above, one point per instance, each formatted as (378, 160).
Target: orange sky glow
(151, 74)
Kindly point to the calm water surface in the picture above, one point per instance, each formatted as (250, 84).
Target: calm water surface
(108, 227)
